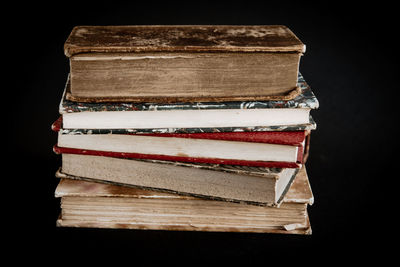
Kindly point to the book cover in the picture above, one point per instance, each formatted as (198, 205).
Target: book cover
(57, 126)
(203, 215)
(174, 63)
(183, 38)
(306, 99)
(233, 183)
(271, 137)
(173, 146)
(192, 117)
(183, 158)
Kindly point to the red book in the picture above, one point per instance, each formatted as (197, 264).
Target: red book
(266, 164)
(281, 149)
(271, 137)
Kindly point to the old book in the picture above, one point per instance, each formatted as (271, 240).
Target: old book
(182, 63)
(267, 149)
(211, 116)
(258, 185)
(96, 205)
(57, 127)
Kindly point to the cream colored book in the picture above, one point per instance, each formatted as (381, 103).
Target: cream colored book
(100, 205)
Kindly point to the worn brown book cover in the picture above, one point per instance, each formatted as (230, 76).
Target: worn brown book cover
(173, 63)
(98, 205)
(241, 184)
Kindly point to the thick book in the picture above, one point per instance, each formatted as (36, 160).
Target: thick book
(235, 183)
(99, 205)
(268, 149)
(173, 63)
(192, 116)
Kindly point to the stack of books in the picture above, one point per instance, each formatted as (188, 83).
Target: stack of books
(203, 128)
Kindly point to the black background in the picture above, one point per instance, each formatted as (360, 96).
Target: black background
(350, 63)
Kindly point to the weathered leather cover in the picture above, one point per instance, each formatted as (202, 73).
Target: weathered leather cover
(182, 38)
(306, 99)
(299, 192)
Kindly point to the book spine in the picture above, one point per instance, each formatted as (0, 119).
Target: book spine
(267, 164)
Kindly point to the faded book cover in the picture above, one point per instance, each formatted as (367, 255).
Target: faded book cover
(306, 99)
(177, 212)
(234, 183)
(185, 38)
(173, 63)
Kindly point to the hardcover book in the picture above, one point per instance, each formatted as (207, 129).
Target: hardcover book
(182, 63)
(268, 149)
(235, 183)
(99, 205)
(192, 116)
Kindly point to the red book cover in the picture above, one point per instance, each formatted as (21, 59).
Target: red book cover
(271, 137)
(267, 164)
(292, 138)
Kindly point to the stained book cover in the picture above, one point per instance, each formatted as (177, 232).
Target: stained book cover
(182, 38)
(212, 214)
(173, 63)
(227, 174)
(306, 99)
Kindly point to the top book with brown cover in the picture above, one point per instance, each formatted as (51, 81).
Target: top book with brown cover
(182, 63)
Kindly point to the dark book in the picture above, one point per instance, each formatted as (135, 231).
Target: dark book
(182, 63)
(193, 116)
(100, 205)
